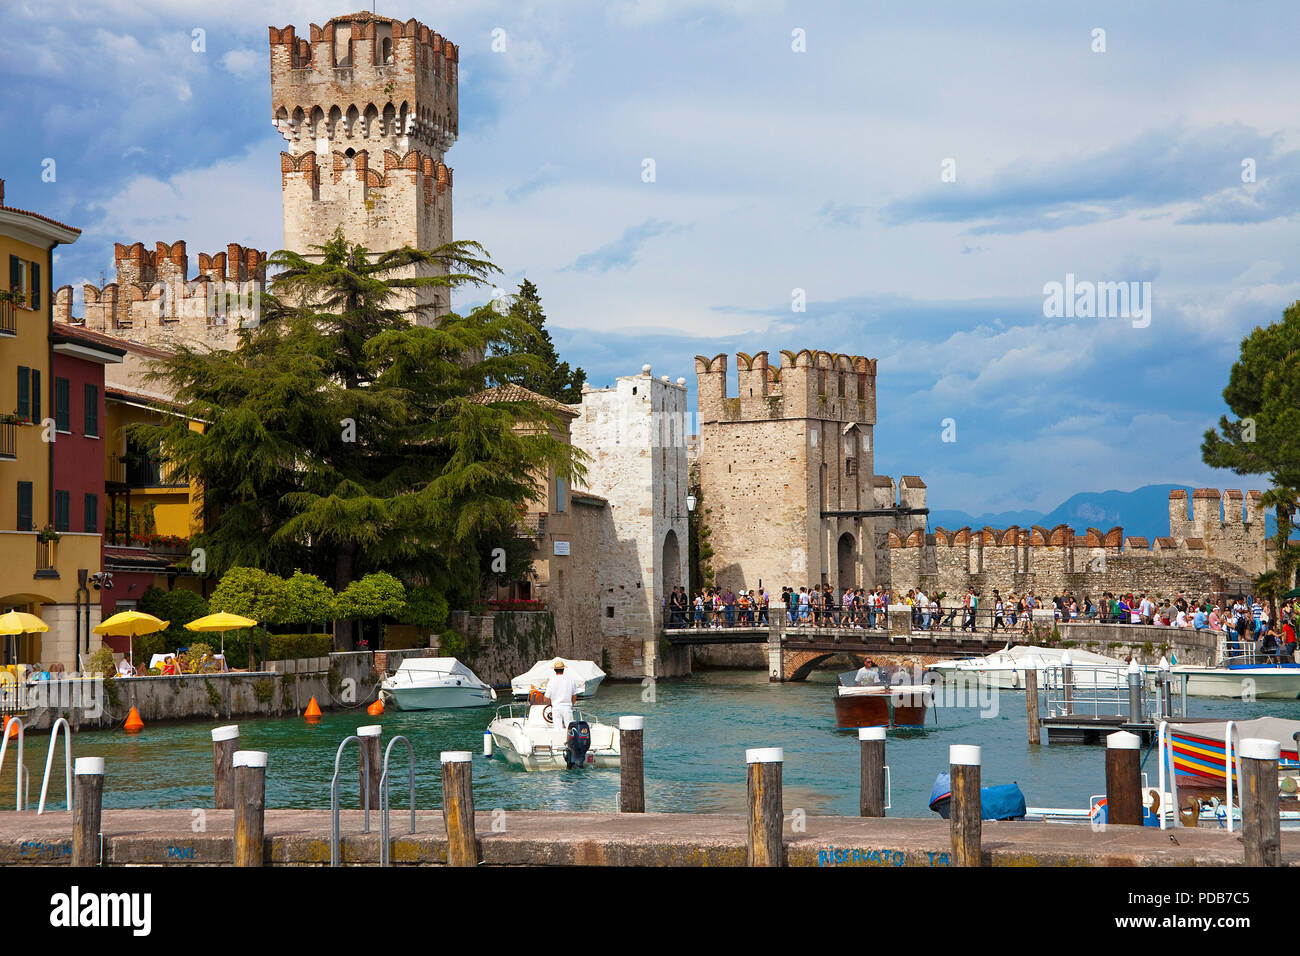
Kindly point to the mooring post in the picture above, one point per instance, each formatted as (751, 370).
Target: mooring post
(1031, 705)
(250, 805)
(369, 767)
(87, 810)
(631, 764)
(871, 801)
(458, 808)
(964, 810)
(1067, 687)
(1123, 779)
(225, 741)
(1260, 823)
(766, 808)
(1166, 689)
(1135, 690)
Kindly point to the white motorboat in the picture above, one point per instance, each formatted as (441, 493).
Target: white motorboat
(523, 735)
(586, 676)
(1006, 668)
(434, 683)
(1241, 673)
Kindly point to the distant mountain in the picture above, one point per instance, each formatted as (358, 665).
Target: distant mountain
(1141, 513)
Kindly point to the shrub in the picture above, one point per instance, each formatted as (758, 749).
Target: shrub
(378, 594)
(425, 607)
(101, 662)
(179, 607)
(305, 599)
(250, 592)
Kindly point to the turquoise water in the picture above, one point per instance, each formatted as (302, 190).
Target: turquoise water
(696, 735)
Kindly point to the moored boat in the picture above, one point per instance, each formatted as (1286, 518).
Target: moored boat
(1006, 668)
(1199, 748)
(434, 683)
(1241, 672)
(586, 676)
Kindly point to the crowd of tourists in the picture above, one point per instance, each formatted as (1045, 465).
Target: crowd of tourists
(1252, 620)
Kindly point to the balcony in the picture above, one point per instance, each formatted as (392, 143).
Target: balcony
(8, 441)
(141, 471)
(531, 524)
(47, 553)
(8, 319)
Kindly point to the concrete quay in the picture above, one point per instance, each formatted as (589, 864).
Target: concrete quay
(134, 837)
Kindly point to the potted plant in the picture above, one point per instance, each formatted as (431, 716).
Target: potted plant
(47, 534)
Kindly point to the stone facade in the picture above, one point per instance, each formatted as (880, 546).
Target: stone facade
(787, 485)
(369, 107)
(634, 435)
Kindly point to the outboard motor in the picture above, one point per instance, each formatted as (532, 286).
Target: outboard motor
(577, 743)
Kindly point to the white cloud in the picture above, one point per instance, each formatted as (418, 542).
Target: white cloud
(245, 63)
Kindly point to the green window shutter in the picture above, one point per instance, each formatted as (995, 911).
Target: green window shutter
(62, 511)
(36, 395)
(24, 506)
(63, 405)
(15, 273)
(559, 494)
(24, 391)
(92, 411)
(36, 285)
(92, 514)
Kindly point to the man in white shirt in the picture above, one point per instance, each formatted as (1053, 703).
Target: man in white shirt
(560, 694)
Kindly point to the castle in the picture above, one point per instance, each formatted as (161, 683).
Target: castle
(789, 496)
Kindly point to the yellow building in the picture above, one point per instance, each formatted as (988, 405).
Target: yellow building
(46, 560)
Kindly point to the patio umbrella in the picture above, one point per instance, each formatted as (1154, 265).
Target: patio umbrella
(130, 624)
(221, 621)
(20, 622)
(1294, 592)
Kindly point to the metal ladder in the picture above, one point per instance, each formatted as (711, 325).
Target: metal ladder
(384, 797)
(23, 781)
(49, 763)
(334, 795)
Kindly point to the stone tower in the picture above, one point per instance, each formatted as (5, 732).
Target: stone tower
(368, 106)
(786, 471)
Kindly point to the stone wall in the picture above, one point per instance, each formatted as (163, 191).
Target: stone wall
(1148, 643)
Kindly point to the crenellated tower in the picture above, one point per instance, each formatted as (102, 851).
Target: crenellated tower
(368, 106)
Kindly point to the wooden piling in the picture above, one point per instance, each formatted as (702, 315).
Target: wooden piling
(766, 809)
(250, 806)
(631, 765)
(458, 808)
(370, 768)
(871, 800)
(1031, 706)
(87, 809)
(225, 741)
(1261, 825)
(964, 810)
(1123, 779)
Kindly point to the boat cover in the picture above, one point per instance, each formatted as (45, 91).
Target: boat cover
(1001, 802)
(582, 672)
(438, 665)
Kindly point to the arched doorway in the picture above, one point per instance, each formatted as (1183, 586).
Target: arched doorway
(672, 563)
(846, 561)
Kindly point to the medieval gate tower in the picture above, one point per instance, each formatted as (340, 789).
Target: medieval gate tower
(368, 106)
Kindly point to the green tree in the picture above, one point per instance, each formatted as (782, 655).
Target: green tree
(425, 607)
(1264, 393)
(179, 607)
(544, 373)
(252, 593)
(306, 599)
(345, 435)
(370, 598)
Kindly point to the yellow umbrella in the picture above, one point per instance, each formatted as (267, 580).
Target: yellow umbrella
(221, 621)
(20, 622)
(130, 624)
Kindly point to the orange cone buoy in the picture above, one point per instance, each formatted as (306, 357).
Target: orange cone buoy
(13, 728)
(133, 723)
(375, 709)
(312, 713)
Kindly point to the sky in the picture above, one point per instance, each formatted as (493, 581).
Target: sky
(917, 175)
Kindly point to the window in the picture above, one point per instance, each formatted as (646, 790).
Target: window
(18, 279)
(62, 405)
(92, 411)
(25, 506)
(24, 391)
(62, 511)
(92, 514)
(559, 495)
(850, 466)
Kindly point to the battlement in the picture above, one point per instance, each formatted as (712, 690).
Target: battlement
(170, 263)
(365, 77)
(1227, 524)
(813, 385)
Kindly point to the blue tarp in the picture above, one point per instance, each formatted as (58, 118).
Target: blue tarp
(1002, 802)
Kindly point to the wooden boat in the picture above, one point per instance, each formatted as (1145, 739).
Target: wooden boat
(880, 705)
(1198, 749)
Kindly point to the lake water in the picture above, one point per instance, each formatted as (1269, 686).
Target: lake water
(697, 731)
